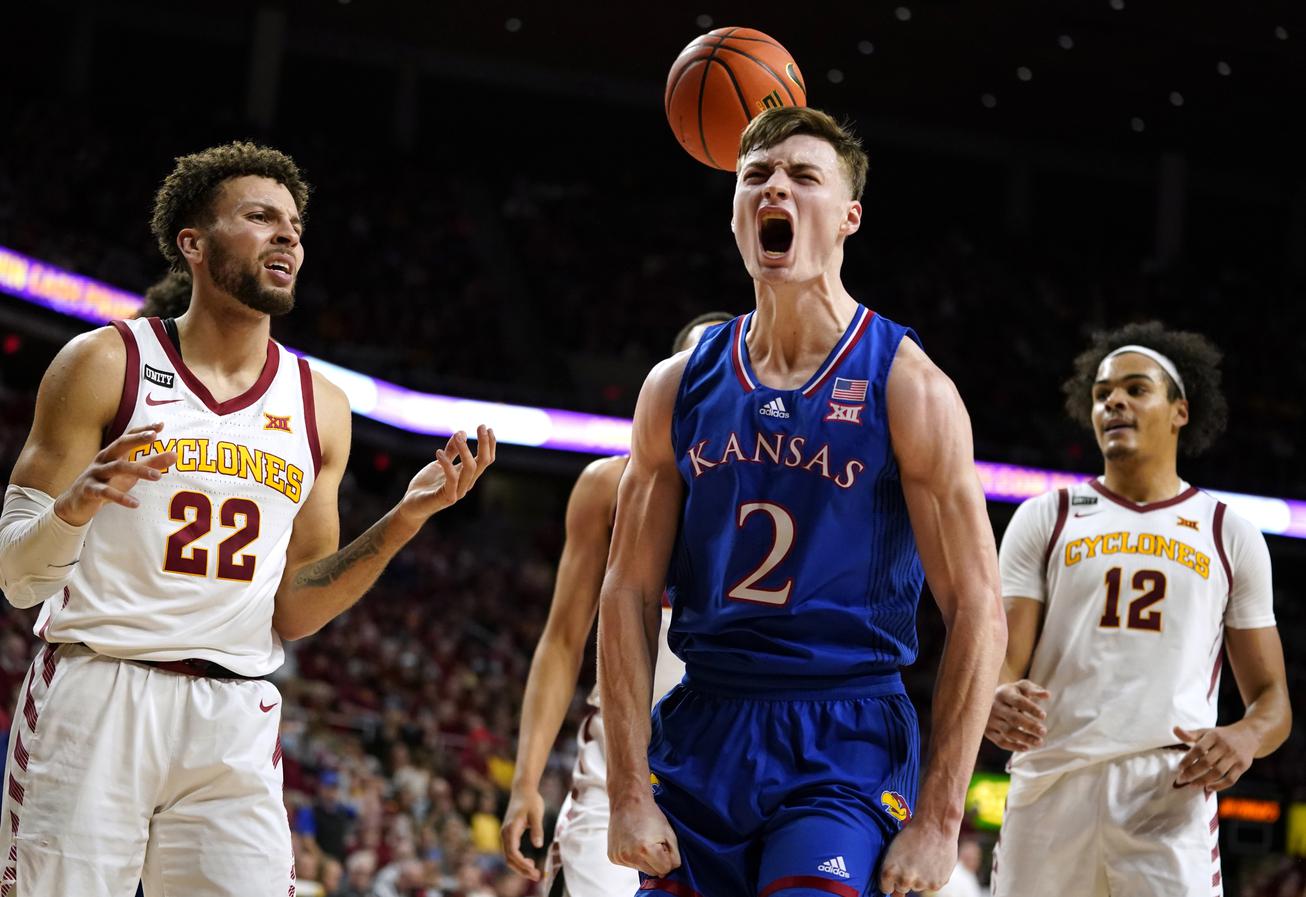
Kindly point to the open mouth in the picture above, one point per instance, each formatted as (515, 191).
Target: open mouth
(282, 267)
(1117, 426)
(776, 233)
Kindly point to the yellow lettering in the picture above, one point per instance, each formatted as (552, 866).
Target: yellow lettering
(251, 464)
(294, 483)
(187, 455)
(207, 463)
(1091, 544)
(227, 464)
(276, 467)
(1203, 567)
(1146, 544)
(1074, 552)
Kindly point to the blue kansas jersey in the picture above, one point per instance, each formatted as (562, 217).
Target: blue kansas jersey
(795, 566)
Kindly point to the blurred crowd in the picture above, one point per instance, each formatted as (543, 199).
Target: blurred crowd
(560, 285)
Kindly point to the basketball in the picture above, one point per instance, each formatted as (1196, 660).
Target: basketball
(719, 82)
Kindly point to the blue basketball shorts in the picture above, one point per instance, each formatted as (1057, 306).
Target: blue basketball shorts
(792, 796)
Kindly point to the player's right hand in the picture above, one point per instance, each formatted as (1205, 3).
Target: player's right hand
(640, 837)
(1016, 721)
(525, 808)
(110, 476)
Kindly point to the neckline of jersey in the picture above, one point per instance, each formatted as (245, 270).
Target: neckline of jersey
(1183, 496)
(237, 403)
(847, 340)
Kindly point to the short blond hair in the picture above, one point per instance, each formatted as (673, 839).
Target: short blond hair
(779, 124)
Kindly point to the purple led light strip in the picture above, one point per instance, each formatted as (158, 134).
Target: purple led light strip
(552, 428)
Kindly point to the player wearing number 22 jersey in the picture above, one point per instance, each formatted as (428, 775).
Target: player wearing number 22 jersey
(174, 513)
(794, 511)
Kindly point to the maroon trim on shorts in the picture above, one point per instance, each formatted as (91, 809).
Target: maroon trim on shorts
(667, 886)
(131, 383)
(1143, 509)
(811, 882)
(1063, 509)
(240, 402)
(1218, 533)
(310, 415)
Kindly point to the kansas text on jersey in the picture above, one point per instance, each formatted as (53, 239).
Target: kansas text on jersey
(795, 565)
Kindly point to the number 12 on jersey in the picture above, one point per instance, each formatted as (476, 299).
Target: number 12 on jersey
(1151, 583)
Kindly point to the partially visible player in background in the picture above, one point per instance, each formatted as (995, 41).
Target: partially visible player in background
(1119, 593)
(578, 864)
(174, 510)
(167, 297)
(792, 481)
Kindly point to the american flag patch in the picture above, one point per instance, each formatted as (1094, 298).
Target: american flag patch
(849, 390)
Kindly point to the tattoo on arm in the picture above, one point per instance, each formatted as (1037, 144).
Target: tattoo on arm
(329, 569)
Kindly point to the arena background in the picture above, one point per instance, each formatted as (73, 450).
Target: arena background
(501, 213)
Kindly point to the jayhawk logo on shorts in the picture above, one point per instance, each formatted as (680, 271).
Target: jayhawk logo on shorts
(896, 806)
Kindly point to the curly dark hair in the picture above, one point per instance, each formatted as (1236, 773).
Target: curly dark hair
(708, 317)
(168, 297)
(185, 199)
(1195, 357)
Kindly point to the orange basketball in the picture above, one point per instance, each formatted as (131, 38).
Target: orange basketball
(719, 82)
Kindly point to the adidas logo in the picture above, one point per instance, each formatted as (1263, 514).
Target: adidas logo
(774, 408)
(834, 866)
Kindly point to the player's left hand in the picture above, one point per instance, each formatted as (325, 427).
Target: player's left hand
(1216, 758)
(449, 477)
(920, 858)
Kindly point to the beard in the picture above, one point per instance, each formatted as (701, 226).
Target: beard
(241, 282)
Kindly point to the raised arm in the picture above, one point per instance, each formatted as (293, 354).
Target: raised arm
(556, 665)
(648, 514)
(320, 583)
(932, 443)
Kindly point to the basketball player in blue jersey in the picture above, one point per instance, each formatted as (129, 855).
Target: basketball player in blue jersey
(792, 480)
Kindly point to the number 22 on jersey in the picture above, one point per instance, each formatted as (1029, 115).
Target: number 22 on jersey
(195, 509)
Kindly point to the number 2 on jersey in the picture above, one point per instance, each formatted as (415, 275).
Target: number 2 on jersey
(180, 557)
(783, 541)
(1139, 615)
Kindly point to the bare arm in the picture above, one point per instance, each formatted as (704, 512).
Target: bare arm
(648, 513)
(320, 583)
(63, 462)
(1219, 756)
(556, 665)
(932, 443)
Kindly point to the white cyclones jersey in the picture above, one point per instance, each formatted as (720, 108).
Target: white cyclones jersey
(1137, 598)
(194, 570)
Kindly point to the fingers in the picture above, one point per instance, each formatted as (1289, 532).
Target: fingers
(105, 492)
(486, 445)
(536, 817)
(133, 438)
(468, 472)
(511, 835)
(450, 487)
(1033, 690)
(133, 470)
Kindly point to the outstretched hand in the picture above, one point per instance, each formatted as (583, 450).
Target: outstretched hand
(450, 476)
(110, 476)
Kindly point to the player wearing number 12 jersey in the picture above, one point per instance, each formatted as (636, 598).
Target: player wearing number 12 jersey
(792, 480)
(1120, 594)
(174, 509)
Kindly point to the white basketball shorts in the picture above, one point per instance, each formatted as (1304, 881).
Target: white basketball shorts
(1117, 828)
(580, 839)
(119, 772)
